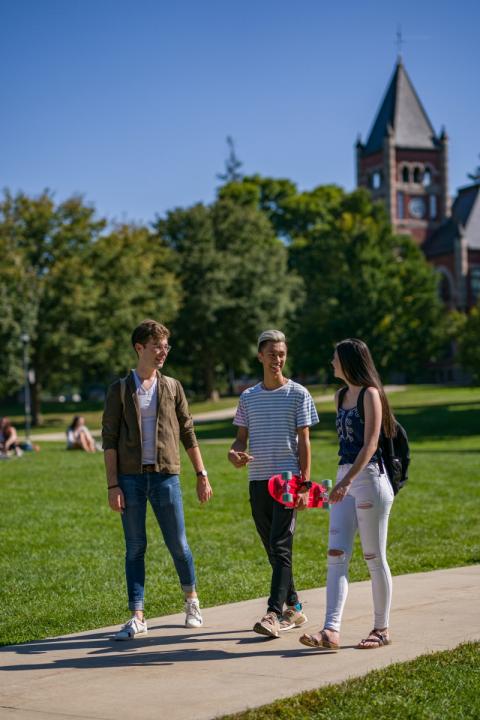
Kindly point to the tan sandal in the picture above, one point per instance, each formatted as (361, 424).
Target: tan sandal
(314, 642)
(376, 639)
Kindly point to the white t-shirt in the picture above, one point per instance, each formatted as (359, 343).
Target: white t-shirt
(272, 418)
(147, 399)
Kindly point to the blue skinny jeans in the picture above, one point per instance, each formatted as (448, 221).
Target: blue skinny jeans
(165, 496)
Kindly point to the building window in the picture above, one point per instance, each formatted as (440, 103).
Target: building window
(400, 206)
(445, 289)
(405, 174)
(417, 175)
(475, 282)
(433, 206)
(427, 177)
(376, 179)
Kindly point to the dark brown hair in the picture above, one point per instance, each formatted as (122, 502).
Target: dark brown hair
(74, 424)
(359, 369)
(149, 330)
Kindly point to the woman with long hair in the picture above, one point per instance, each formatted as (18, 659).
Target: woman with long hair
(362, 497)
(79, 436)
(9, 444)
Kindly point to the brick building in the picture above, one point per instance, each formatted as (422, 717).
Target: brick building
(405, 164)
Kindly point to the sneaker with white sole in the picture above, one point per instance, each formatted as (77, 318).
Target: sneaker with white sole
(269, 625)
(193, 617)
(293, 617)
(132, 629)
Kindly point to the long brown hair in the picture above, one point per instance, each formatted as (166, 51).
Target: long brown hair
(359, 369)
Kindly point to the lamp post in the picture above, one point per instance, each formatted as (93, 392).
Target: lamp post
(25, 340)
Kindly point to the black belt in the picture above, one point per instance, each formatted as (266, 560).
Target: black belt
(148, 468)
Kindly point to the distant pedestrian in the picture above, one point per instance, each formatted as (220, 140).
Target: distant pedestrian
(273, 419)
(146, 414)
(362, 498)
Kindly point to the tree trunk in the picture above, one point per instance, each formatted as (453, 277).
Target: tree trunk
(209, 380)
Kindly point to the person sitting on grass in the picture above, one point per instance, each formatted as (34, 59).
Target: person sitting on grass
(274, 418)
(9, 444)
(79, 436)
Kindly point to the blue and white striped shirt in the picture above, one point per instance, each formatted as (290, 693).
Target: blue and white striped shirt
(272, 418)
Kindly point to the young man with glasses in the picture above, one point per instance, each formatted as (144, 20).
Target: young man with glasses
(273, 418)
(145, 416)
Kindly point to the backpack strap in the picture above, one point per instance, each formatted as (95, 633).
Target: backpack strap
(361, 412)
(360, 405)
(171, 385)
(341, 396)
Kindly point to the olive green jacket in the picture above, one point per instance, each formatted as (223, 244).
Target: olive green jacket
(122, 427)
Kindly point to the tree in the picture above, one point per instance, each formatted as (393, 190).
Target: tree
(291, 213)
(134, 278)
(235, 282)
(468, 343)
(46, 247)
(232, 164)
(363, 281)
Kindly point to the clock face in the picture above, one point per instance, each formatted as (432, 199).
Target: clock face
(417, 207)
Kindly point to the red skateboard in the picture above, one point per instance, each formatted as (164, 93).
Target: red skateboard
(284, 489)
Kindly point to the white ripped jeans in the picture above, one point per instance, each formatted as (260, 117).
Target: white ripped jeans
(366, 507)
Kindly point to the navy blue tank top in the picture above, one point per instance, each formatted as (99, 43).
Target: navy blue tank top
(350, 431)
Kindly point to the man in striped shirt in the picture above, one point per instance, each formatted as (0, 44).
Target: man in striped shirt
(273, 419)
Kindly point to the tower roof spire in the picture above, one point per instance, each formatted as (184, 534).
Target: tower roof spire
(399, 41)
(402, 110)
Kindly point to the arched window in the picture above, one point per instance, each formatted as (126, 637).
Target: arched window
(405, 174)
(376, 179)
(417, 175)
(427, 177)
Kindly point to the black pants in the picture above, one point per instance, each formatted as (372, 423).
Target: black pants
(275, 524)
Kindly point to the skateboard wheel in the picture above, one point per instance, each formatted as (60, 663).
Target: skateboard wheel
(287, 475)
(287, 498)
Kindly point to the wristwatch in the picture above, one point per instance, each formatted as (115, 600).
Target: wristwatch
(202, 474)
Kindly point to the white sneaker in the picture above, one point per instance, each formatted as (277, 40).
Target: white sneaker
(132, 629)
(193, 618)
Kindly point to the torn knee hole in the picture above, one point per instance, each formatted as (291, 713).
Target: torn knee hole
(365, 505)
(369, 556)
(335, 553)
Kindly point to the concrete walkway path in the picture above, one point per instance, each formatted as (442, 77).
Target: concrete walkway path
(224, 667)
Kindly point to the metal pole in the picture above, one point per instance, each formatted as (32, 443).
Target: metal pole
(26, 340)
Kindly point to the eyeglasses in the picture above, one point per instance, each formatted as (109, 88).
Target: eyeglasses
(165, 349)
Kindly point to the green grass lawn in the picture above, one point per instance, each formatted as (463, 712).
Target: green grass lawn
(57, 416)
(439, 685)
(62, 548)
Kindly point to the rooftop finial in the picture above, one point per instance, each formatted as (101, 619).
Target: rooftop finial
(400, 41)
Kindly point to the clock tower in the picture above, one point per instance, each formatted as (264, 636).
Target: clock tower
(404, 163)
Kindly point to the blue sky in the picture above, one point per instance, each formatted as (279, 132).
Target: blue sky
(129, 103)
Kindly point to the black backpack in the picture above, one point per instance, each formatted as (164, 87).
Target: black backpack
(394, 452)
